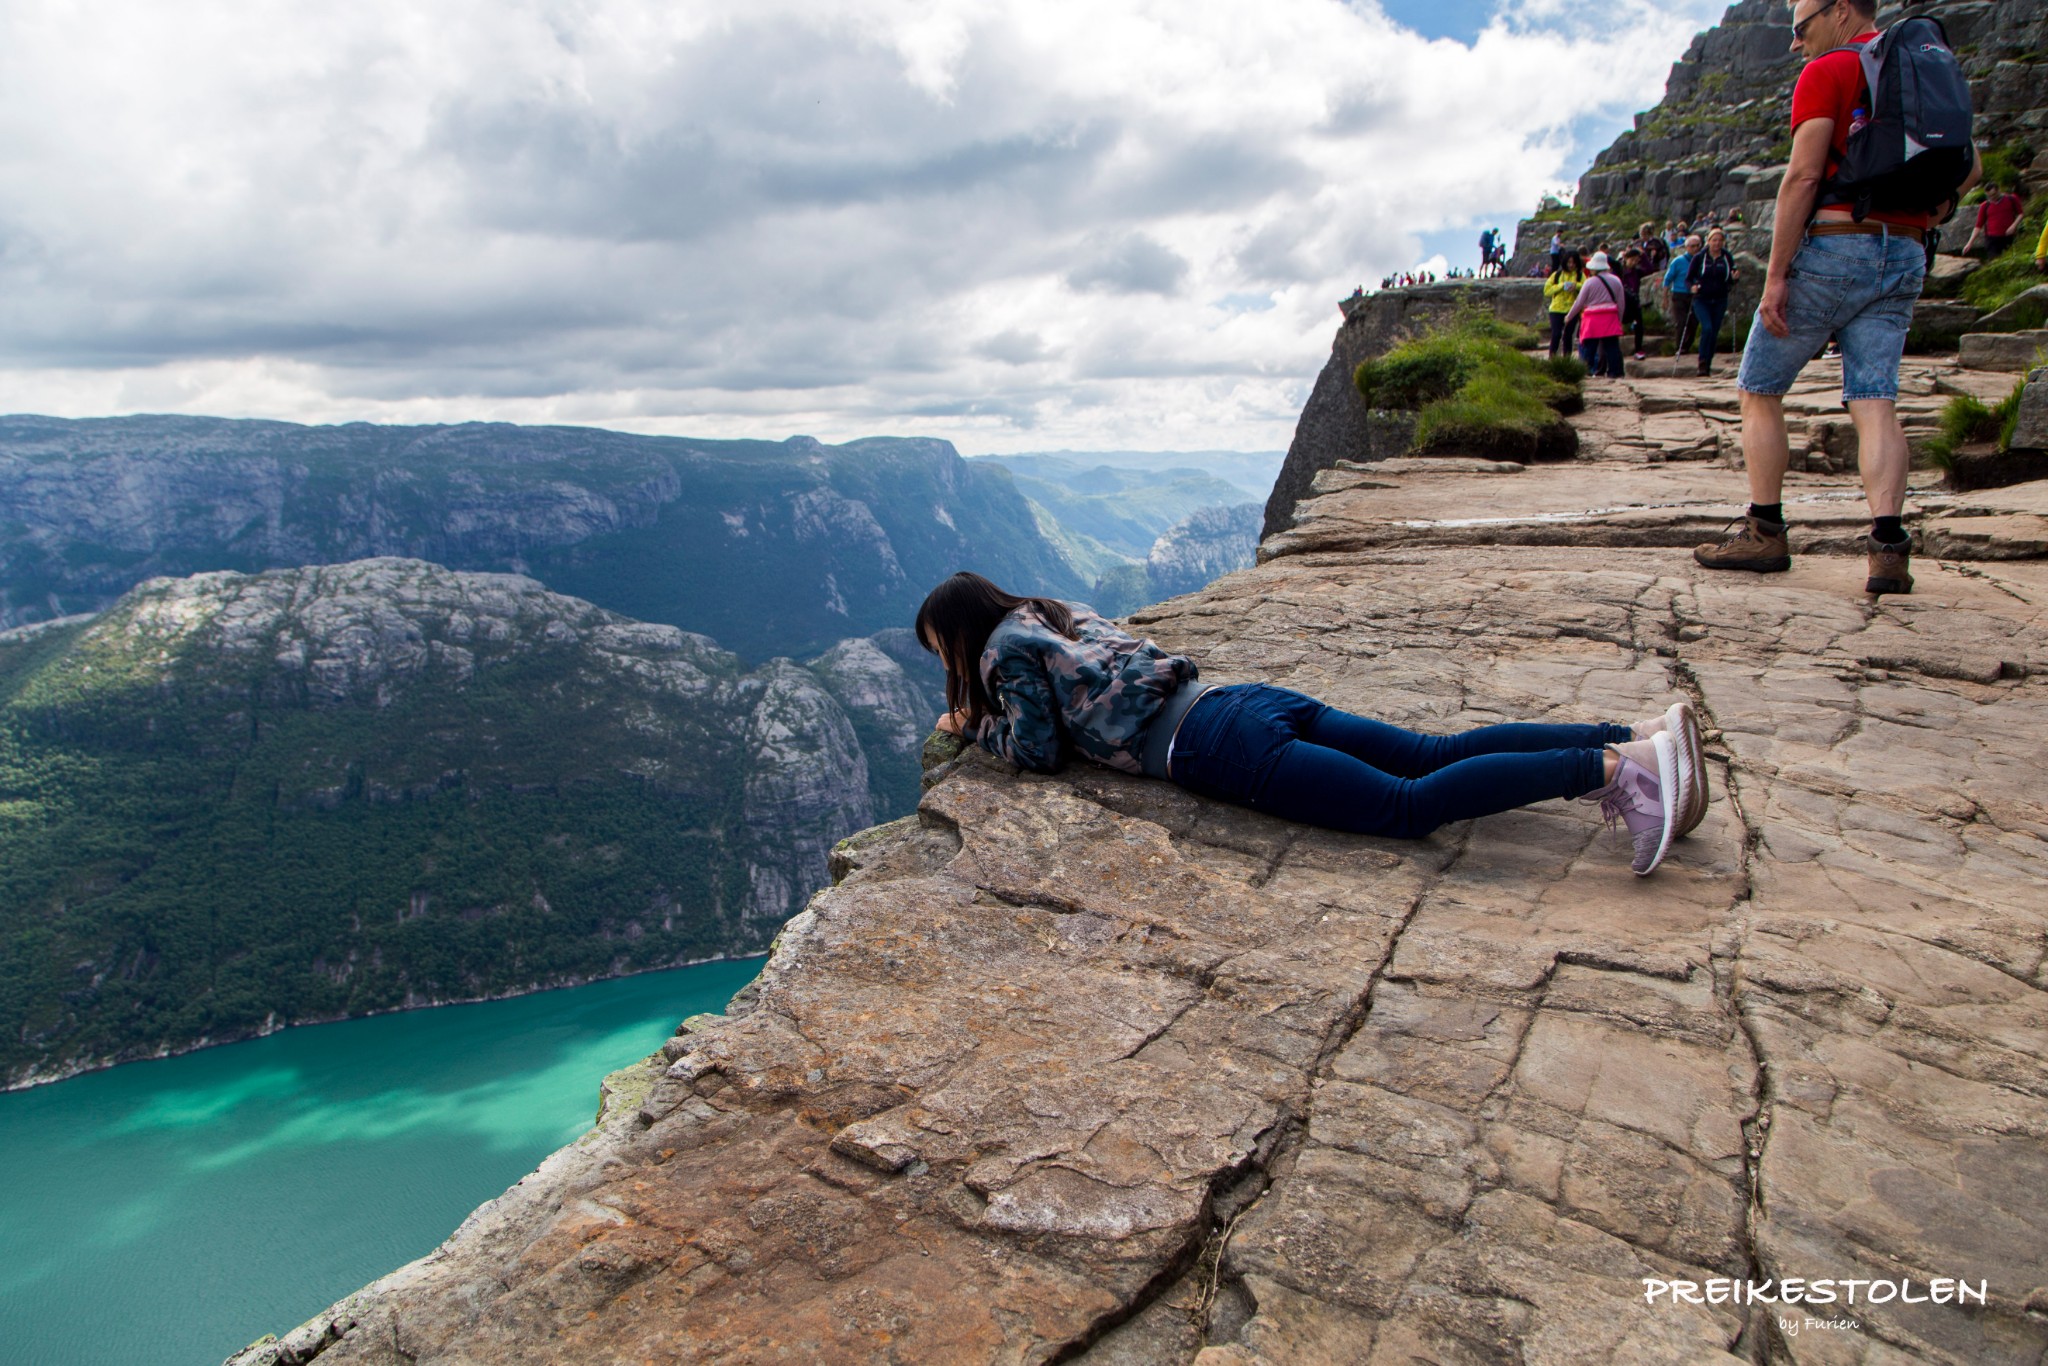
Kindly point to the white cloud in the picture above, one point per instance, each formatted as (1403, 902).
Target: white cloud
(1015, 223)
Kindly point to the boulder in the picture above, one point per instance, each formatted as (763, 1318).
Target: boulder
(1951, 270)
(2013, 351)
(2023, 314)
(1938, 324)
(2031, 431)
(1987, 467)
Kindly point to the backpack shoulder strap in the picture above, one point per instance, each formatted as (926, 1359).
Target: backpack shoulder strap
(1870, 56)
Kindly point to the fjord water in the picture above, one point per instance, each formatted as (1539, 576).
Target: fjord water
(171, 1212)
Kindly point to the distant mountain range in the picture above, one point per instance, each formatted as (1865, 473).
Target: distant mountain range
(1194, 552)
(234, 802)
(772, 548)
(1115, 513)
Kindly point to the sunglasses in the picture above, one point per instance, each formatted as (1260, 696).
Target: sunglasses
(1799, 29)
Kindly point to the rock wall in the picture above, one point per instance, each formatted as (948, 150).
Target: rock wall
(1335, 424)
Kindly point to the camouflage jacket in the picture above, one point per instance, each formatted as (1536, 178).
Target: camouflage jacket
(1097, 693)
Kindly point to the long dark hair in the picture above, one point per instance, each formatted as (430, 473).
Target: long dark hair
(954, 623)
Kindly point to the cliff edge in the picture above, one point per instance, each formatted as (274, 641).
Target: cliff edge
(1084, 1068)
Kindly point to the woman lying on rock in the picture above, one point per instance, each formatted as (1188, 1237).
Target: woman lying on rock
(1027, 677)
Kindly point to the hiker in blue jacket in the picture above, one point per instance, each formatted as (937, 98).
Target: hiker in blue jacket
(1678, 293)
(1031, 679)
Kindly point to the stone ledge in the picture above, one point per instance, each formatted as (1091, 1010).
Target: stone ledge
(1086, 1068)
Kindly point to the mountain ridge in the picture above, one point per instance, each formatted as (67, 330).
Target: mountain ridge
(236, 801)
(770, 547)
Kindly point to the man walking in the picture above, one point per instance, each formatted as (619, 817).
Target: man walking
(1830, 272)
(1998, 222)
(1678, 293)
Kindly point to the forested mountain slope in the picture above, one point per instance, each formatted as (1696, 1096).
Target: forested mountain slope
(235, 802)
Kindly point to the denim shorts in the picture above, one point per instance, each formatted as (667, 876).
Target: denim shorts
(1859, 289)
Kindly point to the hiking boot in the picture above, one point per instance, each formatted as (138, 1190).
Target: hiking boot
(1644, 796)
(1682, 725)
(1888, 566)
(1762, 546)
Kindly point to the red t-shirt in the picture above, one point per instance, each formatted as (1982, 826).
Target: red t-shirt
(1831, 87)
(1999, 217)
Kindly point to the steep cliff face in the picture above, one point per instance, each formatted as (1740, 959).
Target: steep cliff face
(772, 548)
(1719, 138)
(235, 802)
(891, 689)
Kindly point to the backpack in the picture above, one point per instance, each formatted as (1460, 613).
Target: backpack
(1914, 150)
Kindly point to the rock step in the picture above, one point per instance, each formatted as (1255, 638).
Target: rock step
(1616, 505)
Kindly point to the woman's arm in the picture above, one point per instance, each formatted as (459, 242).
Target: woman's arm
(1026, 731)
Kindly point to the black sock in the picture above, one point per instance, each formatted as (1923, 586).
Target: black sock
(1774, 513)
(1887, 530)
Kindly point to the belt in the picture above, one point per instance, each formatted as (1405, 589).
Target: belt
(1832, 228)
(1156, 755)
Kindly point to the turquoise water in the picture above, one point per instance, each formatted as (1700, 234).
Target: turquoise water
(171, 1212)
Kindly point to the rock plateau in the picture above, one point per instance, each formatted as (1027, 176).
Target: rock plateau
(1083, 1068)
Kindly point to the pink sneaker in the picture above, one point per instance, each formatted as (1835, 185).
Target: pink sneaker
(1643, 799)
(1682, 725)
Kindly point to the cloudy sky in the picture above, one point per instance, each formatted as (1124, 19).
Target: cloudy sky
(1018, 224)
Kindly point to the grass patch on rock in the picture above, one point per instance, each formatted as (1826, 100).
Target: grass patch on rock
(1474, 392)
(1969, 421)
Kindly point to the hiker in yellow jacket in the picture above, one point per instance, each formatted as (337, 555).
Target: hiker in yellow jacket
(2041, 251)
(1562, 291)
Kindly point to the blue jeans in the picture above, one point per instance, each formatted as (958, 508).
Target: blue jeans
(1293, 757)
(1710, 313)
(1860, 289)
(1602, 356)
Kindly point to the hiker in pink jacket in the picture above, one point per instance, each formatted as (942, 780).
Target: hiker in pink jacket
(1598, 309)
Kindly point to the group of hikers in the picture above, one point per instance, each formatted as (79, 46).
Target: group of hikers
(1493, 253)
(1403, 278)
(1033, 679)
(1593, 298)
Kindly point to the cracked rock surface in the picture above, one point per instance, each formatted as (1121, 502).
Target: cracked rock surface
(999, 1091)
(1085, 1068)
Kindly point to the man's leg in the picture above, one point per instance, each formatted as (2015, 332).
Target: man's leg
(1881, 453)
(1766, 449)
(1883, 457)
(1872, 341)
(1762, 542)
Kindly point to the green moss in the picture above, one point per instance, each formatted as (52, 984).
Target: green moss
(2007, 415)
(2004, 164)
(1473, 389)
